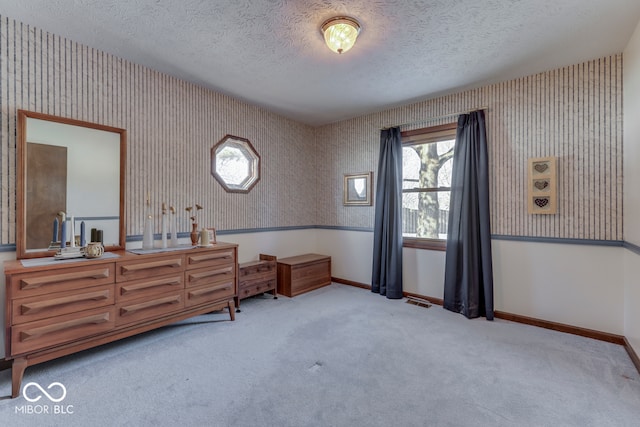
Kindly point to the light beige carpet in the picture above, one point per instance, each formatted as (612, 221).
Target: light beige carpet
(339, 356)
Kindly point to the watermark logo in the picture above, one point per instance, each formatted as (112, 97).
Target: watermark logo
(43, 391)
(55, 392)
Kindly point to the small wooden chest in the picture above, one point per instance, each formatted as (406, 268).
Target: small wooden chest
(303, 273)
(257, 277)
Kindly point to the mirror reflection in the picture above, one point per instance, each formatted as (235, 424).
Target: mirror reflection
(69, 170)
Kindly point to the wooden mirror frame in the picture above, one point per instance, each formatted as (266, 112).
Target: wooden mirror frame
(21, 180)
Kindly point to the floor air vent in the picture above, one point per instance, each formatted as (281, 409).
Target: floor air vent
(418, 302)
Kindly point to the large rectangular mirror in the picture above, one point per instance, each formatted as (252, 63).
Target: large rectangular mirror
(70, 166)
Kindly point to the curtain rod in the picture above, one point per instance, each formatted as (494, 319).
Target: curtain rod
(431, 119)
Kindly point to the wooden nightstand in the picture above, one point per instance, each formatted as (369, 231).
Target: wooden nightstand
(256, 277)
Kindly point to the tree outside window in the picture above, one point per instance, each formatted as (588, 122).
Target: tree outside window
(427, 157)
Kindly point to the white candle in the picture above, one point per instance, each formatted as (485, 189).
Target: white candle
(204, 237)
(55, 229)
(72, 229)
(63, 234)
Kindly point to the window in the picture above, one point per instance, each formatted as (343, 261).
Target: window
(235, 164)
(427, 157)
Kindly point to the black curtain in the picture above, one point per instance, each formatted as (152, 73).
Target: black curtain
(386, 278)
(468, 278)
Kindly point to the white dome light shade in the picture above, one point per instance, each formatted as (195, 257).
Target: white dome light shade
(340, 33)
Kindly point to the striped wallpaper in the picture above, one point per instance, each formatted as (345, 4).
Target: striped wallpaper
(171, 126)
(574, 113)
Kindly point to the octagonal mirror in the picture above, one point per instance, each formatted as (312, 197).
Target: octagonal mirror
(235, 164)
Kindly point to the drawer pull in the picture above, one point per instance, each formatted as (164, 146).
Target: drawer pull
(172, 263)
(127, 289)
(62, 326)
(209, 257)
(201, 292)
(131, 309)
(36, 282)
(34, 307)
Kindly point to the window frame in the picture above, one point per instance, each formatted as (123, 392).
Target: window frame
(249, 153)
(427, 135)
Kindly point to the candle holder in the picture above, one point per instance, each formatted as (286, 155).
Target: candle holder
(69, 252)
(164, 231)
(163, 228)
(54, 246)
(147, 236)
(173, 228)
(94, 250)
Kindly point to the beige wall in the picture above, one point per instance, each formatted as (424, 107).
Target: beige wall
(632, 139)
(574, 113)
(171, 127)
(632, 188)
(579, 285)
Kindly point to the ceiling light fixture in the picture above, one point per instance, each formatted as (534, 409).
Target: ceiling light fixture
(340, 33)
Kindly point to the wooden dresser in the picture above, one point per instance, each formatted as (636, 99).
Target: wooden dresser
(303, 273)
(58, 309)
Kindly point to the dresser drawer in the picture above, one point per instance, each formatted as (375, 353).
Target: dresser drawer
(149, 267)
(45, 282)
(210, 275)
(257, 268)
(219, 258)
(250, 279)
(248, 289)
(146, 288)
(149, 308)
(61, 329)
(256, 277)
(211, 292)
(43, 306)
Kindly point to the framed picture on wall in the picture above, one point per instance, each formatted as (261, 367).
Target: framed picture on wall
(357, 189)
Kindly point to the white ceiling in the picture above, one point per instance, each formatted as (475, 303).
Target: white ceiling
(271, 52)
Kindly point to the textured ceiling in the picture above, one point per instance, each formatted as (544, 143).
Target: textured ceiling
(271, 52)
